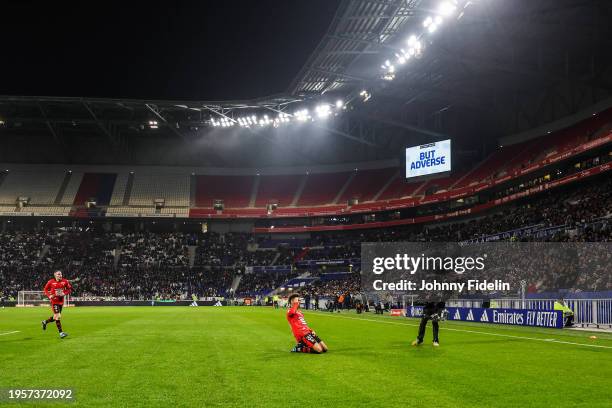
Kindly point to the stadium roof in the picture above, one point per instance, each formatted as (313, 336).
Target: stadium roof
(492, 70)
(359, 32)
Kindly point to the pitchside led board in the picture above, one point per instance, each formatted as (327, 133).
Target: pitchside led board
(427, 159)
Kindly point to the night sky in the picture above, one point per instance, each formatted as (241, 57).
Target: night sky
(198, 50)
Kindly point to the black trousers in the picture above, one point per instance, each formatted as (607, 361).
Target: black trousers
(423, 325)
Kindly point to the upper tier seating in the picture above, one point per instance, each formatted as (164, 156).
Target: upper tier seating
(487, 168)
(366, 184)
(119, 190)
(41, 187)
(72, 187)
(296, 194)
(322, 188)
(400, 187)
(173, 188)
(280, 189)
(514, 157)
(129, 211)
(95, 185)
(235, 191)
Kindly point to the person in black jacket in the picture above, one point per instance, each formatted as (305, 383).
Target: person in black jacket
(431, 311)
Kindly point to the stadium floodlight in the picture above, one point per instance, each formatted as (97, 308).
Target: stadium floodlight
(427, 22)
(302, 115)
(401, 60)
(323, 111)
(446, 8)
(153, 124)
(387, 63)
(412, 40)
(365, 95)
(432, 28)
(389, 76)
(339, 103)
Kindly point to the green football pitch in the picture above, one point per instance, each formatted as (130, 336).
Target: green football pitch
(239, 356)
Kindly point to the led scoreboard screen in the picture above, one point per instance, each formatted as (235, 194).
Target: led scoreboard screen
(430, 158)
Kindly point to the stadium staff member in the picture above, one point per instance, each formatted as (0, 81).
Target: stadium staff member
(568, 314)
(431, 311)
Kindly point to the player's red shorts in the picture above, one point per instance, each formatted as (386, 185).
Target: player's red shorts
(310, 339)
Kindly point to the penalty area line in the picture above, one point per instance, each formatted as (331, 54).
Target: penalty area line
(477, 332)
(13, 332)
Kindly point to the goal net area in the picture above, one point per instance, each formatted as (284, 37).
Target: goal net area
(30, 298)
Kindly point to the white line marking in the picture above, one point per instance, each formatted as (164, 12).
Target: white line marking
(476, 332)
(13, 332)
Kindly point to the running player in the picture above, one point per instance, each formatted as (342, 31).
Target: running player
(307, 339)
(55, 290)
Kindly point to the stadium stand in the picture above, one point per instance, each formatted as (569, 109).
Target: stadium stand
(124, 211)
(41, 187)
(366, 184)
(173, 188)
(522, 154)
(322, 188)
(7, 208)
(48, 210)
(441, 184)
(399, 188)
(95, 185)
(178, 212)
(324, 192)
(488, 168)
(119, 190)
(280, 189)
(68, 197)
(156, 265)
(233, 190)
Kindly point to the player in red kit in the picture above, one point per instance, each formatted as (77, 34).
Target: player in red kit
(307, 339)
(55, 290)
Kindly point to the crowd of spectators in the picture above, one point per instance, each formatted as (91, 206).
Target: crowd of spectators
(155, 250)
(176, 265)
(258, 284)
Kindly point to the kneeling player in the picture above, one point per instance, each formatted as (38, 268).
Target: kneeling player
(307, 339)
(55, 290)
